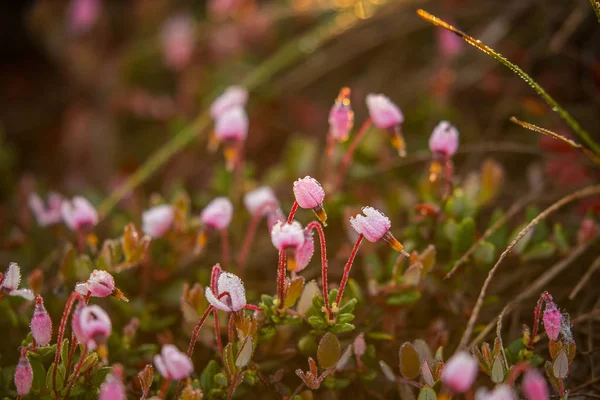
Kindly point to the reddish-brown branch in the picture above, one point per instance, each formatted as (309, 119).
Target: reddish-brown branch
(317, 226)
(347, 269)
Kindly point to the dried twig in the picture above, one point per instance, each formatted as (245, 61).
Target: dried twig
(585, 278)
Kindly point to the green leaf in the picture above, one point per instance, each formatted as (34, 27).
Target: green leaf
(329, 351)
(465, 236)
(408, 297)
(498, 370)
(60, 377)
(427, 393)
(410, 362)
(207, 378)
(498, 238)
(317, 322)
(100, 376)
(541, 229)
(229, 359)
(39, 374)
(484, 253)
(560, 239)
(346, 317)
(348, 307)
(293, 292)
(342, 328)
(540, 251)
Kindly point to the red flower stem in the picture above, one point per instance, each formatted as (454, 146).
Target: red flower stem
(281, 278)
(536, 316)
(164, 388)
(230, 329)
(232, 386)
(61, 333)
(347, 269)
(197, 330)
(225, 252)
(76, 371)
(292, 212)
(71, 352)
(253, 307)
(217, 331)
(250, 233)
(516, 371)
(350, 152)
(317, 226)
(80, 241)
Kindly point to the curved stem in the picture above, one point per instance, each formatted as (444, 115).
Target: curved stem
(230, 329)
(292, 212)
(165, 388)
(350, 152)
(317, 226)
(585, 192)
(197, 330)
(76, 371)
(281, 278)
(217, 331)
(61, 333)
(347, 269)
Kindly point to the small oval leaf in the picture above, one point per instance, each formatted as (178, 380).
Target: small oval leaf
(560, 367)
(410, 362)
(329, 351)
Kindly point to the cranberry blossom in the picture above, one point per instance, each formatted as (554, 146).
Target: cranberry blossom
(41, 324)
(310, 194)
(79, 214)
(23, 375)
(552, 320)
(387, 115)
(99, 284)
(374, 225)
(217, 214)
(157, 221)
(261, 200)
(92, 326)
(10, 283)
(460, 372)
(230, 295)
(444, 140)
(177, 40)
(234, 96)
(288, 238)
(535, 386)
(341, 116)
(173, 364)
(46, 215)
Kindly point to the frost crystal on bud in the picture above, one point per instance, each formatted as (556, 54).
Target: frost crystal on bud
(460, 372)
(41, 324)
(373, 225)
(157, 221)
(217, 214)
(173, 364)
(79, 214)
(230, 295)
(444, 139)
(308, 192)
(383, 112)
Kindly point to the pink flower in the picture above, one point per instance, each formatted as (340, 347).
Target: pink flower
(287, 236)
(310, 194)
(383, 112)
(500, 392)
(587, 230)
(230, 295)
(177, 39)
(23, 375)
(217, 214)
(444, 139)
(41, 323)
(260, 200)
(79, 214)
(552, 321)
(83, 14)
(99, 284)
(112, 389)
(173, 364)
(305, 252)
(232, 125)
(233, 97)
(341, 116)
(157, 221)
(450, 45)
(534, 386)
(374, 225)
(10, 283)
(460, 372)
(46, 216)
(93, 326)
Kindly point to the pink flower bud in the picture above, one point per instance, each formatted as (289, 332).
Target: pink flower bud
(177, 40)
(341, 116)
(309, 194)
(49, 215)
(261, 200)
(305, 252)
(500, 392)
(10, 283)
(157, 221)
(552, 321)
(587, 230)
(460, 372)
(173, 364)
(217, 214)
(233, 97)
(94, 326)
(444, 139)
(83, 14)
(229, 283)
(23, 375)
(232, 125)
(383, 112)
(360, 346)
(534, 386)
(41, 323)
(449, 44)
(287, 236)
(79, 214)
(112, 389)
(374, 225)
(99, 284)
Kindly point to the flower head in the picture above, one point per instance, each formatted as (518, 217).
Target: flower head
(49, 215)
(232, 125)
(310, 194)
(99, 284)
(79, 214)
(10, 283)
(305, 252)
(112, 388)
(444, 139)
(535, 386)
(284, 235)
(552, 320)
(93, 326)
(230, 295)
(260, 200)
(383, 112)
(374, 225)
(217, 214)
(232, 97)
(157, 221)
(173, 364)
(177, 40)
(83, 14)
(460, 372)
(23, 375)
(341, 116)
(500, 392)
(41, 323)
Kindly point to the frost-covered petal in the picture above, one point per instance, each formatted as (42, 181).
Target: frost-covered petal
(229, 282)
(215, 302)
(373, 225)
(308, 192)
(12, 277)
(305, 252)
(284, 235)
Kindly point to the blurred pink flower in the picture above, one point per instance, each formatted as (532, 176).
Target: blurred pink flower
(173, 364)
(232, 125)
(384, 113)
(23, 375)
(450, 45)
(49, 215)
(112, 389)
(83, 14)
(261, 200)
(229, 283)
(79, 214)
(99, 284)
(217, 214)
(444, 139)
(535, 386)
(341, 116)
(178, 40)
(41, 323)
(500, 392)
(93, 326)
(157, 220)
(587, 230)
(221, 9)
(460, 372)
(232, 97)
